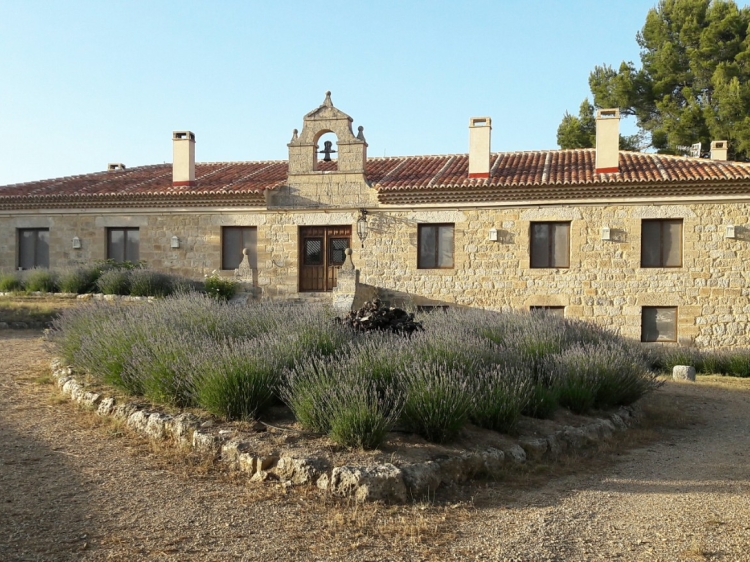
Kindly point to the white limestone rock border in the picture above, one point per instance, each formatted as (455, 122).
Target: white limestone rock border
(375, 482)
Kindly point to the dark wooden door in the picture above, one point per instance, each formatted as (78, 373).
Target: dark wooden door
(322, 251)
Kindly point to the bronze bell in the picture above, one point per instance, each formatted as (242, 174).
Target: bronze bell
(327, 151)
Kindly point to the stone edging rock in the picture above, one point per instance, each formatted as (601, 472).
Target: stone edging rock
(363, 483)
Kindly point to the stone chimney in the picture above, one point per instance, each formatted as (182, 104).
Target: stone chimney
(719, 150)
(607, 141)
(479, 147)
(183, 160)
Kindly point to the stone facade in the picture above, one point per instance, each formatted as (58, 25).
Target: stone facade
(604, 282)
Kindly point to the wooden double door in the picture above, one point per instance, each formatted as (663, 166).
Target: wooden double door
(322, 252)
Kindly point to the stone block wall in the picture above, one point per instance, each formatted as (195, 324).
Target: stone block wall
(604, 282)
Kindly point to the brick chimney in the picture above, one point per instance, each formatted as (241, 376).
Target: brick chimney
(607, 141)
(479, 147)
(183, 160)
(719, 150)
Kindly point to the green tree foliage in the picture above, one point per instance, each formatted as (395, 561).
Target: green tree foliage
(578, 132)
(694, 81)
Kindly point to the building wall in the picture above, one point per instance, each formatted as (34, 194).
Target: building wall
(604, 282)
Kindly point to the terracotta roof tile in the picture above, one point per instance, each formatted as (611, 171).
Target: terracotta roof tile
(514, 176)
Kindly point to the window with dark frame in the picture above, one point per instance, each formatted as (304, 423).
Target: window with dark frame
(123, 244)
(435, 243)
(33, 248)
(661, 243)
(558, 311)
(235, 239)
(337, 250)
(550, 244)
(659, 323)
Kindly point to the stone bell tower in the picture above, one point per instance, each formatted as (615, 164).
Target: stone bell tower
(303, 149)
(314, 178)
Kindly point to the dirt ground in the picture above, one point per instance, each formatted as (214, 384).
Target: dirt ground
(75, 487)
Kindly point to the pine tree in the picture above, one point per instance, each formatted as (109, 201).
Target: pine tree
(694, 81)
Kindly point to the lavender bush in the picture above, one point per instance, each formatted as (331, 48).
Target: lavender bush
(237, 379)
(467, 365)
(601, 376)
(161, 366)
(79, 280)
(149, 283)
(500, 395)
(10, 282)
(114, 282)
(42, 280)
(437, 400)
(348, 404)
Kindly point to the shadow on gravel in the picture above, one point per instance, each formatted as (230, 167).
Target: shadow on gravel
(692, 439)
(43, 502)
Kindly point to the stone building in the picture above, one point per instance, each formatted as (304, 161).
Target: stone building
(653, 246)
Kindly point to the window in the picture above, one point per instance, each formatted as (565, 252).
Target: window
(33, 247)
(558, 311)
(122, 244)
(659, 323)
(550, 244)
(235, 239)
(661, 243)
(435, 246)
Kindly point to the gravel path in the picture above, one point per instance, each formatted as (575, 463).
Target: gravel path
(73, 487)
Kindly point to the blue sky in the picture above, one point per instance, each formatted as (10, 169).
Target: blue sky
(84, 83)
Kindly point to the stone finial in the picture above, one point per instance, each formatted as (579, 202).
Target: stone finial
(361, 134)
(294, 135)
(244, 273)
(348, 264)
(327, 102)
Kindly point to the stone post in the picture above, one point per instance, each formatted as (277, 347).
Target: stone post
(346, 284)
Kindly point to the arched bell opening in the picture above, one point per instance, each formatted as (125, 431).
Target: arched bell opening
(326, 151)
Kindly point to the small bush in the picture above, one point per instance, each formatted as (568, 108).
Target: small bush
(499, 398)
(601, 376)
(309, 390)
(79, 280)
(714, 363)
(11, 282)
(219, 288)
(437, 401)
(738, 363)
(69, 330)
(183, 285)
(237, 380)
(149, 283)
(668, 357)
(42, 280)
(106, 347)
(349, 405)
(114, 282)
(543, 401)
(161, 367)
(362, 415)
